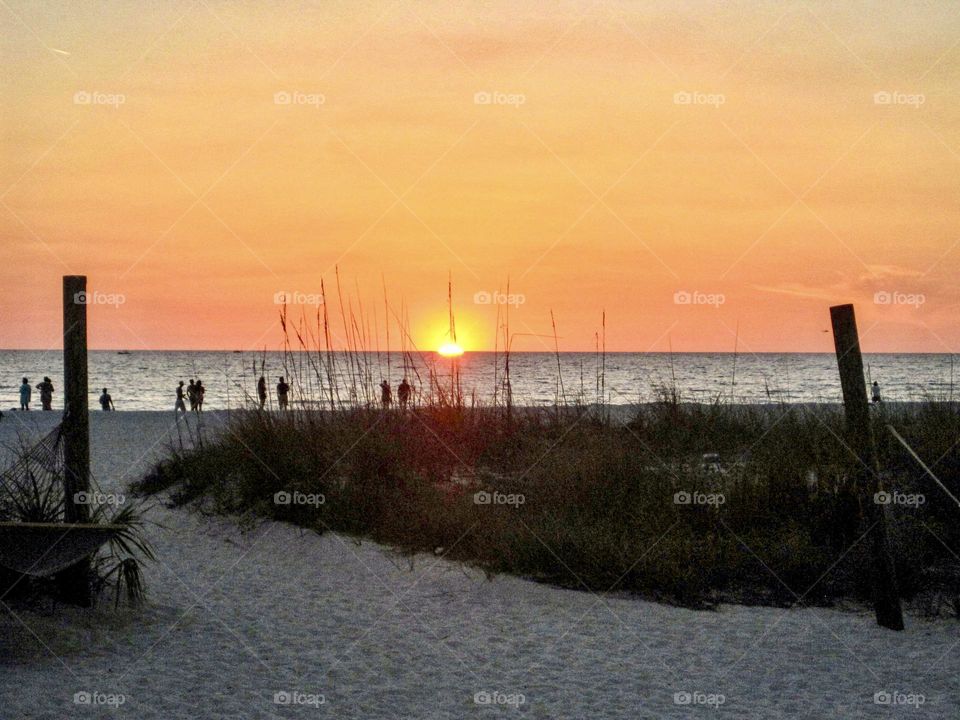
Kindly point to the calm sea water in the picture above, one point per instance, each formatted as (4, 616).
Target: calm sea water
(146, 380)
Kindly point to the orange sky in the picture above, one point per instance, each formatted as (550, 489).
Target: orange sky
(784, 185)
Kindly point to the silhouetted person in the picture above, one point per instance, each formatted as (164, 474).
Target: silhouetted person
(201, 391)
(282, 390)
(403, 393)
(386, 395)
(25, 393)
(262, 391)
(180, 404)
(106, 402)
(876, 392)
(46, 393)
(192, 394)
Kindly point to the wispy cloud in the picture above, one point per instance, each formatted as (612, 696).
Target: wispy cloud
(799, 290)
(885, 272)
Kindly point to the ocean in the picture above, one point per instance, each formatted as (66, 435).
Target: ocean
(146, 380)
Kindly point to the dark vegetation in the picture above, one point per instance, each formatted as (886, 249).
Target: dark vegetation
(598, 492)
(32, 490)
(598, 505)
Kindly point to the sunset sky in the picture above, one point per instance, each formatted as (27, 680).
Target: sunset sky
(763, 160)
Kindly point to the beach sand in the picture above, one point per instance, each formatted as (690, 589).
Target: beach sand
(234, 618)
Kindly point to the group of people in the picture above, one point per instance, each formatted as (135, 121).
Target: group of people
(403, 394)
(46, 395)
(283, 393)
(194, 393)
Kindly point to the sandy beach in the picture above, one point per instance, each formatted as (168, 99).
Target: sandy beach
(236, 622)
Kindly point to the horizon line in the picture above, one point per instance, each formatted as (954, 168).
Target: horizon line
(490, 352)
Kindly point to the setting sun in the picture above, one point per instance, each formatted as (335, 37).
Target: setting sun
(450, 349)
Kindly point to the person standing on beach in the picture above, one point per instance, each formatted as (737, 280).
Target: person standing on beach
(403, 393)
(262, 391)
(192, 394)
(25, 393)
(106, 402)
(876, 392)
(386, 395)
(200, 390)
(180, 404)
(282, 390)
(46, 393)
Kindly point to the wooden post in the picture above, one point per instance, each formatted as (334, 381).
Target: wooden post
(886, 599)
(74, 582)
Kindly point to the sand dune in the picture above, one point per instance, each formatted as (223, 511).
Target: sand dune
(350, 630)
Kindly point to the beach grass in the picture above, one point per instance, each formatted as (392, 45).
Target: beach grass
(572, 497)
(692, 503)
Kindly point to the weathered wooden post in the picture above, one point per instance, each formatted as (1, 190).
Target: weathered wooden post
(886, 599)
(74, 582)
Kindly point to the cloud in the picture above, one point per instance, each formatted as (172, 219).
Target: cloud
(799, 290)
(884, 272)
